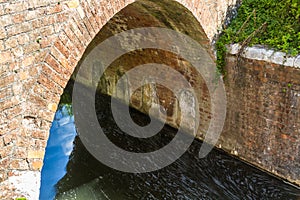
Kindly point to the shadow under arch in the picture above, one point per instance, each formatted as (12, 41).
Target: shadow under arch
(163, 14)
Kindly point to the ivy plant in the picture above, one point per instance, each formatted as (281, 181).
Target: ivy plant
(273, 23)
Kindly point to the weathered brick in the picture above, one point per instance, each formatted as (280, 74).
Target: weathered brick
(89, 27)
(61, 48)
(90, 17)
(38, 3)
(54, 80)
(5, 151)
(55, 9)
(52, 97)
(58, 27)
(38, 89)
(7, 139)
(1, 9)
(31, 14)
(29, 60)
(20, 153)
(33, 71)
(5, 20)
(15, 110)
(45, 125)
(4, 164)
(73, 47)
(27, 83)
(49, 84)
(23, 39)
(30, 48)
(8, 103)
(78, 33)
(36, 165)
(73, 61)
(38, 101)
(73, 4)
(15, 7)
(35, 154)
(19, 18)
(22, 142)
(93, 7)
(60, 57)
(3, 177)
(82, 27)
(51, 62)
(5, 56)
(41, 55)
(37, 23)
(19, 164)
(41, 143)
(17, 51)
(18, 28)
(34, 35)
(54, 75)
(99, 19)
(1, 45)
(46, 115)
(49, 20)
(23, 75)
(39, 134)
(62, 17)
(6, 92)
(14, 124)
(3, 70)
(46, 31)
(3, 33)
(11, 42)
(64, 38)
(97, 15)
(46, 41)
(52, 107)
(3, 130)
(7, 80)
(106, 10)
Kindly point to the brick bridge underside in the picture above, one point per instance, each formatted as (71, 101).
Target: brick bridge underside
(41, 43)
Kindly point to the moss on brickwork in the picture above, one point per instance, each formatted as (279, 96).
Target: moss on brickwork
(274, 23)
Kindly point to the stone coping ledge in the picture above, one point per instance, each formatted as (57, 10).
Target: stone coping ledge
(259, 52)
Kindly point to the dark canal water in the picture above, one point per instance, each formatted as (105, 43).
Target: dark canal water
(70, 172)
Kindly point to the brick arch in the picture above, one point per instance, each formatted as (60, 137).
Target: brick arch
(47, 65)
(85, 21)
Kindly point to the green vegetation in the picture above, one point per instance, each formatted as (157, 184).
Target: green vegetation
(21, 198)
(66, 99)
(66, 109)
(38, 40)
(274, 23)
(66, 102)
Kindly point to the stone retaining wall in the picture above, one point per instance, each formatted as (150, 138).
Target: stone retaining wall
(263, 105)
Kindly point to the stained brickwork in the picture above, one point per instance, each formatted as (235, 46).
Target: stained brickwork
(263, 119)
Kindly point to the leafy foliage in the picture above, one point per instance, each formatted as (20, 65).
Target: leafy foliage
(282, 32)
